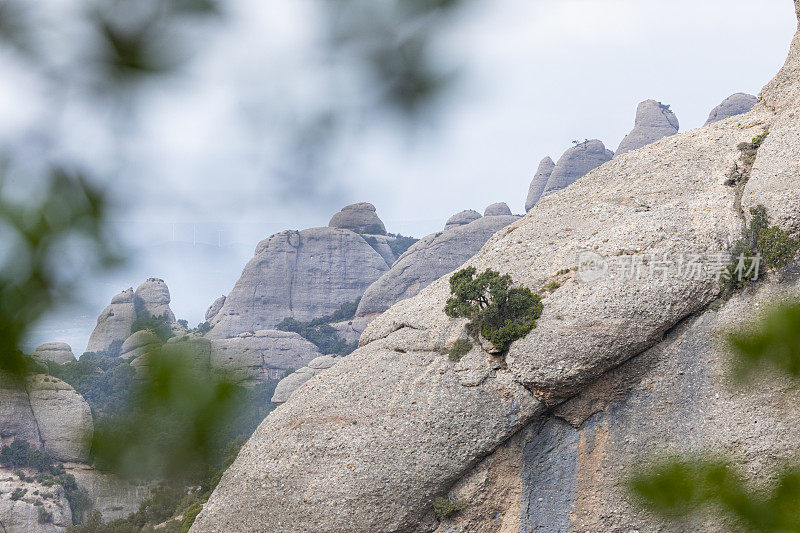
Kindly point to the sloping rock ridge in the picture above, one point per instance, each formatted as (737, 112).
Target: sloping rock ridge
(429, 259)
(368, 444)
(654, 121)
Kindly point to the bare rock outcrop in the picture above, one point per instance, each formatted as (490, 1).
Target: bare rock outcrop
(153, 297)
(214, 308)
(262, 355)
(48, 413)
(138, 344)
(360, 218)
(654, 121)
(115, 323)
(735, 104)
(22, 515)
(539, 182)
(497, 209)
(462, 218)
(369, 443)
(576, 163)
(292, 382)
(57, 352)
(427, 260)
(301, 274)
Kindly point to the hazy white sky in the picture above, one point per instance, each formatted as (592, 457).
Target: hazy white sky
(534, 75)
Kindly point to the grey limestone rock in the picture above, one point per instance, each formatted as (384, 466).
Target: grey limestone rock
(576, 163)
(360, 218)
(57, 352)
(262, 355)
(114, 323)
(212, 311)
(138, 344)
(427, 260)
(48, 413)
(497, 209)
(292, 382)
(654, 121)
(368, 444)
(735, 104)
(301, 274)
(462, 218)
(539, 182)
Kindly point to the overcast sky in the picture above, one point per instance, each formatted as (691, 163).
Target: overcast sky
(533, 76)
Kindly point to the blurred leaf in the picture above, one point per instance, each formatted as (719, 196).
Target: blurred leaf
(173, 427)
(676, 488)
(772, 343)
(30, 282)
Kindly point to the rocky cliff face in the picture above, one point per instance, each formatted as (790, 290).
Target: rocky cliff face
(22, 515)
(301, 274)
(57, 352)
(48, 413)
(151, 299)
(654, 121)
(369, 443)
(735, 104)
(576, 163)
(539, 182)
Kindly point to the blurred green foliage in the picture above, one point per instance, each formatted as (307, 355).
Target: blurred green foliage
(677, 487)
(171, 429)
(500, 312)
(37, 230)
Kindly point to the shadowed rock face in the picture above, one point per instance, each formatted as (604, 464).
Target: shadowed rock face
(654, 121)
(498, 209)
(575, 164)
(360, 218)
(57, 352)
(427, 260)
(301, 274)
(48, 413)
(735, 104)
(539, 182)
(369, 443)
(462, 218)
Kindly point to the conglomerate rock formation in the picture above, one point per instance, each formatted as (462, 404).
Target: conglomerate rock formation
(305, 274)
(654, 121)
(429, 259)
(735, 104)
(539, 182)
(575, 163)
(628, 363)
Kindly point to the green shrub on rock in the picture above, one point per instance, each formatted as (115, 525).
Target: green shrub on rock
(460, 349)
(445, 508)
(499, 312)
